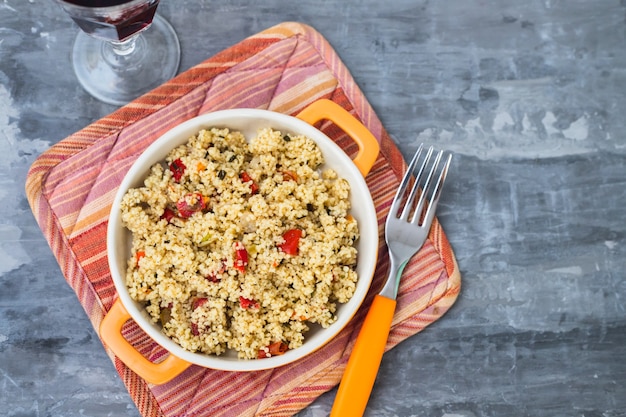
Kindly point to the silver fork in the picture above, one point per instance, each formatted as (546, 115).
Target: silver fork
(406, 229)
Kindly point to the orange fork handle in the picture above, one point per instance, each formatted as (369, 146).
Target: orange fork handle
(360, 374)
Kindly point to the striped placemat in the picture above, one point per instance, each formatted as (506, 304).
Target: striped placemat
(71, 186)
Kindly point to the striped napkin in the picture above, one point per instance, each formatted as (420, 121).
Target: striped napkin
(71, 186)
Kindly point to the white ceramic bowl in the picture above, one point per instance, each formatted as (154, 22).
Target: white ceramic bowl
(248, 121)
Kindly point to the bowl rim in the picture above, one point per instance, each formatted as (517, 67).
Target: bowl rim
(180, 134)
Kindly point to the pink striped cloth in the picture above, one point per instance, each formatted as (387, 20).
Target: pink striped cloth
(71, 186)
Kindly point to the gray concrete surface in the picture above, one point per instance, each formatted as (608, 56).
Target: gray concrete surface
(530, 96)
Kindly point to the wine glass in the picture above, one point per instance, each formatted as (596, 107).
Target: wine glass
(123, 49)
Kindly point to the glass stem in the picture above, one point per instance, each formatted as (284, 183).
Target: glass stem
(126, 55)
(124, 47)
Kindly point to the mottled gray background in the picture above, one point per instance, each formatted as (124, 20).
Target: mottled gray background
(529, 95)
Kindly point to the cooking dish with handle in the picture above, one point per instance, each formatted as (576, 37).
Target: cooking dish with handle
(248, 121)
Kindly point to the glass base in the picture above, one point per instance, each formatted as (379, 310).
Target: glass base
(119, 79)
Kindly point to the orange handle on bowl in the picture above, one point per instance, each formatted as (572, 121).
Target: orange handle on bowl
(111, 333)
(368, 145)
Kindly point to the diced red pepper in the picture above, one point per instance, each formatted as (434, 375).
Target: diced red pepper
(241, 257)
(189, 204)
(194, 329)
(198, 302)
(274, 349)
(278, 348)
(246, 303)
(245, 177)
(290, 176)
(139, 255)
(178, 169)
(212, 278)
(168, 214)
(291, 240)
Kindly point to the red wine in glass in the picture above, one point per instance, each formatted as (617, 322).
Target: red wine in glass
(114, 27)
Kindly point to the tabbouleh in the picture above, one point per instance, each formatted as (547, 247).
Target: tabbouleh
(241, 245)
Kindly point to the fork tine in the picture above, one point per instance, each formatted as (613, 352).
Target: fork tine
(434, 199)
(415, 190)
(395, 205)
(425, 188)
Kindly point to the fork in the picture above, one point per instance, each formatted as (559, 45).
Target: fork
(406, 229)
